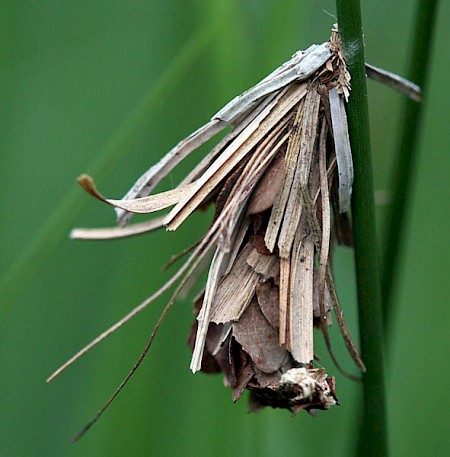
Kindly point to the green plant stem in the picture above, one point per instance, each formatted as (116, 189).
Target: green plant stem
(374, 428)
(55, 229)
(404, 168)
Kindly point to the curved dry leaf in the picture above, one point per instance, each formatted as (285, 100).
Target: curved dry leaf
(395, 82)
(142, 205)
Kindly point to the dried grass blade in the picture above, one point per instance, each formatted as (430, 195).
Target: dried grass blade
(285, 270)
(342, 148)
(301, 300)
(279, 206)
(219, 169)
(116, 232)
(316, 235)
(324, 249)
(294, 205)
(310, 62)
(205, 163)
(142, 205)
(235, 291)
(251, 176)
(240, 147)
(326, 224)
(394, 81)
(194, 278)
(217, 268)
(294, 61)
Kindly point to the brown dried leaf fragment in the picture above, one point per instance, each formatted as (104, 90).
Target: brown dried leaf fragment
(268, 187)
(243, 377)
(268, 296)
(259, 339)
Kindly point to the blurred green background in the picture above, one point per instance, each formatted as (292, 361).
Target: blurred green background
(109, 86)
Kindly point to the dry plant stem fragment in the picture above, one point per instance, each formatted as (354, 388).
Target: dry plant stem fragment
(278, 195)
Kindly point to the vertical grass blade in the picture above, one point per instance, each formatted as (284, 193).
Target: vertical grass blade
(404, 168)
(374, 435)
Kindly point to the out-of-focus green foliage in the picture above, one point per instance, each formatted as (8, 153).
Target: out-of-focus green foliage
(71, 72)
